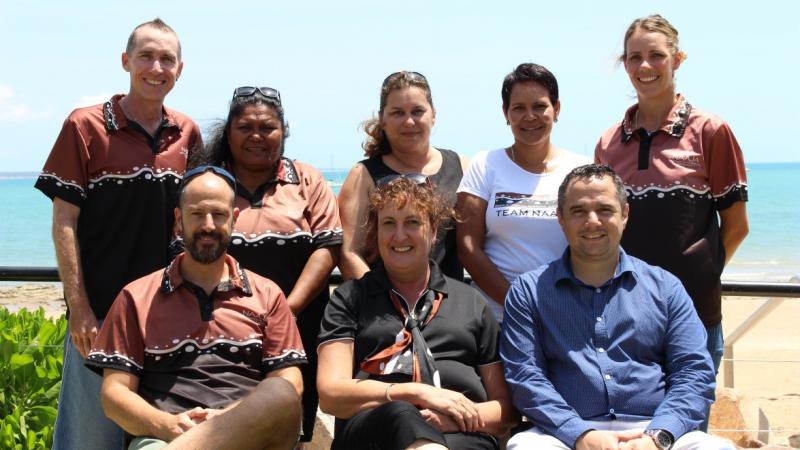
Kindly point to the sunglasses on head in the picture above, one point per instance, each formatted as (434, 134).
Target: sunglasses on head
(416, 178)
(413, 76)
(247, 91)
(199, 170)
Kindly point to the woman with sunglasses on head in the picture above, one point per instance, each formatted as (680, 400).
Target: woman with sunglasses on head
(507, 198)
(408, 357)
(288, 228)
(683, 171)
(398, 142)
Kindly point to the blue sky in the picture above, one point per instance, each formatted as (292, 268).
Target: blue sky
(329, 58)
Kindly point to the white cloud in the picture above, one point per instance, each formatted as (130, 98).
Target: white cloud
(13, 109)
(89, 100)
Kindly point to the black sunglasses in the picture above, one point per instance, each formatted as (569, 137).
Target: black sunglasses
(247, 91)
(416, 178)
(199, 170)
(411, 75)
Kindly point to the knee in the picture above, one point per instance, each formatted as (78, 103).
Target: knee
(279, 397)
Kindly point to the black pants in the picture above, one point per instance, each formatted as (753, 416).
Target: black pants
(308, 324)
(395, 426)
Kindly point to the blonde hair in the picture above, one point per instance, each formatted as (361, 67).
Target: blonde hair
(376, 142)
(654, 23)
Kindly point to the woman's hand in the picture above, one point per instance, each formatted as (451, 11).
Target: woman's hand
(441, 422)
(453, 405)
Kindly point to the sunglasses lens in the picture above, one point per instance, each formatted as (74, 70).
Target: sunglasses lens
(416, 178)
(199, 170)
(244, 91)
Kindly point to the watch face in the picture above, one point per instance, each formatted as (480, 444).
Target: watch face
(662, 439)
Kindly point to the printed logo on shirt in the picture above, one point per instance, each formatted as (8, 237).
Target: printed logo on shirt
(684, 158)
(524, 205)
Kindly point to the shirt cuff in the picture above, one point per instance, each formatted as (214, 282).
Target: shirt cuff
(571, 430)
(670, 423)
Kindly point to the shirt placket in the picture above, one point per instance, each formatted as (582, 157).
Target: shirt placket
(601, 341)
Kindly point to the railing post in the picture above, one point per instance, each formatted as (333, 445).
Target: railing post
(727, 364)
(751, 321)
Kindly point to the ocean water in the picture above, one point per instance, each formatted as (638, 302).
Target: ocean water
(771, 251)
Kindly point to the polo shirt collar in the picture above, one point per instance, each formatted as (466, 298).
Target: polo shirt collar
(115, 119)
(172, 279)
(563, 268)
(674, 125)
(286, 174)
(436, 282)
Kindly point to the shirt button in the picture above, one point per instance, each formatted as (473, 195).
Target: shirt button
(608, 377)
(598, 290)
(599, 319)
(601, 349)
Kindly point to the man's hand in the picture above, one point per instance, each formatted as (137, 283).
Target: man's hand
(175, 425)
(641, 443)
(83, 328)
(607, 440)
(440, 421)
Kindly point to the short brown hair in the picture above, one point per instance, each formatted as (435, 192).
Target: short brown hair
(156, 23)
(588, 172)
(399, 193)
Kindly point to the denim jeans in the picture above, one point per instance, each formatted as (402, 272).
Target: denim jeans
(80, 423)
(715, 346)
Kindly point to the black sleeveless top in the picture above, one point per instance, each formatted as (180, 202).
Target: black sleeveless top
(444, 251)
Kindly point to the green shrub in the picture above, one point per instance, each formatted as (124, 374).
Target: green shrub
(31, 358)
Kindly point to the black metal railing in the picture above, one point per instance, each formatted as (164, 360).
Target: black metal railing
(729, 288)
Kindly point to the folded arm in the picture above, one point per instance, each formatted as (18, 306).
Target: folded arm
(526, 368)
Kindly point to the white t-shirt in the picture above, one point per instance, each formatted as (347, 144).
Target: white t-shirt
(522, 230)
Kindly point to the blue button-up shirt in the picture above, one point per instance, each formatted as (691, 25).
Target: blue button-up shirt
(632, 349)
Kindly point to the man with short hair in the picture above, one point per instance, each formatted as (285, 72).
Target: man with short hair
(113, 174)
(204, 353)
(601, 350)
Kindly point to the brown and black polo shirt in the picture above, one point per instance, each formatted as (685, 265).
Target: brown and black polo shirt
(191, 349)
(125, 183)
(677, 179)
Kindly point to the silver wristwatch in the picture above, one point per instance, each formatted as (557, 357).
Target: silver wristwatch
(662, 438)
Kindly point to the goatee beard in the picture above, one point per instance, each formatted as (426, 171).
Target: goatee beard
(205, 254)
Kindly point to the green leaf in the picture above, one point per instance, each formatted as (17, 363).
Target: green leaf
(45, 415)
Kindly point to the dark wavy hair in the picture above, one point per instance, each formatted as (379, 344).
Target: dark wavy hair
(376, 142)
(398, 193)
(529, 72)
(216, 150)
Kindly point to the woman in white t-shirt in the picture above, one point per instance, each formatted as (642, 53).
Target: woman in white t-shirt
(507, 198)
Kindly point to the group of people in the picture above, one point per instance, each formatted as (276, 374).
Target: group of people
(196, 274)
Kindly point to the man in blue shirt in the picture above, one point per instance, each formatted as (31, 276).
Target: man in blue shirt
(601, 350)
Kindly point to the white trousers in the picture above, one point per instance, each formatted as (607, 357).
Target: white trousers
(537, 439)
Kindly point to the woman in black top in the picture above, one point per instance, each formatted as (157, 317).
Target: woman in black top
(438, 380)
(398, 142)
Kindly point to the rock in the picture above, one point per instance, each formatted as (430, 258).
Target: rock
(732, 414)
(794, 440)
(323, 433)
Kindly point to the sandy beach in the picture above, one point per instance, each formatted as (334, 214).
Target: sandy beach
(766, 363)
